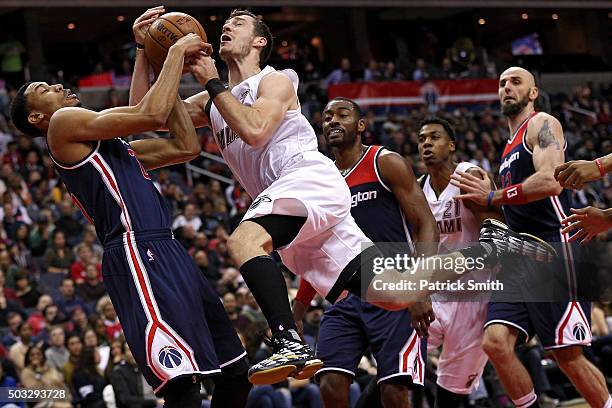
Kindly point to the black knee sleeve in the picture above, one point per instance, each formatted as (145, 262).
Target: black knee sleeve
(231, 391)
(182, 392)
(447, 399)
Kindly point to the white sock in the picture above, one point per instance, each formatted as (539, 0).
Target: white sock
(526, 400)
(608, 403)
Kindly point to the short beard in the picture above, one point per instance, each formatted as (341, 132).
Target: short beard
(511, 110)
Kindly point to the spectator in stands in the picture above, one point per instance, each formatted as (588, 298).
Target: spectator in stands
(217, 197)
(58, 258)
(38, 375)
(8, 293)
(481, 161)
(39, 234)
(85, 256)
(447, 72)
(68, 300)
(96, 322)
(36, 318)
(14, 320)
(92, 288)
(111, 321)
(53, 315)
(90, 239)
(340, 75)
(75, 347)
(131, 389)
(87, 380)
(26, 290)
(421, 72)
(17, 352)
(371, 73)
(601, 346)
(239, 321)
(188, 217)
(8, 308)
(7, 381)
(251, 310)
(90, 339)
(57, 354)
(391, 73)
(201, 260)
(67, 222)
(79, 321)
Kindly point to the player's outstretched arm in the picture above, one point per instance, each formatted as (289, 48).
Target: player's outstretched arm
(142, 70)
(546, 136)
(140, 77)
(400, 178)
(257, 123)
(575, 173)
(82, 125)
(182, 147)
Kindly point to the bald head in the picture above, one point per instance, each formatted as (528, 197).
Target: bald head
(520, 72)
(517, 91)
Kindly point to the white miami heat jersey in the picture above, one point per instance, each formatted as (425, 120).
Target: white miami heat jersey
(457, 224)
(256, 168)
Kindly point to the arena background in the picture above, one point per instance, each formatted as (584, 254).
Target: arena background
(402, 60)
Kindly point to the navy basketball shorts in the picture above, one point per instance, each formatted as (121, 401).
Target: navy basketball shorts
(172, 318)
(351, 325)
(564, 322)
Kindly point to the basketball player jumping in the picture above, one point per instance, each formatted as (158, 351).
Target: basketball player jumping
(171, 316)
(533, 202)
(301, 204)
(458, 325)
(388, 206)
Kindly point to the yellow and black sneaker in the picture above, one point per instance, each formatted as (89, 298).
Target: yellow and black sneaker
(291, 357)
(507, 242)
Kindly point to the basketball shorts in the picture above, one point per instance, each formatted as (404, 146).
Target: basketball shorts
(557, 323)
(351, 325)
(172, 318)
(329, 239)
(458, 329)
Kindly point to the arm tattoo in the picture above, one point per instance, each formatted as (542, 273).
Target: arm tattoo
(546, 137)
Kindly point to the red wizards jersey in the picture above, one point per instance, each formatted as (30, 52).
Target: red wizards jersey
(373, 204)
(536, 217)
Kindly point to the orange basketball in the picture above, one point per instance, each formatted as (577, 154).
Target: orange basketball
(164, 32)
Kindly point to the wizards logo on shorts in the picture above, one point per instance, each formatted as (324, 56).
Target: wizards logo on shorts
(262, 199)
(170, 357)
(579, 331)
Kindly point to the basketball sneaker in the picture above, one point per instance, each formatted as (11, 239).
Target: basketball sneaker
(506, 241)
(291, 357)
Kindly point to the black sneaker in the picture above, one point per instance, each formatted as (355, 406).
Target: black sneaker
(291, 358)
(507, 241)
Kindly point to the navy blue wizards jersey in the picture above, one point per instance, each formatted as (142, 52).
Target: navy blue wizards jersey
(114, 191)
(373, 204)
(537, 217)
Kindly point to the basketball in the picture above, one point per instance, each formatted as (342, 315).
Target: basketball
(164, 32)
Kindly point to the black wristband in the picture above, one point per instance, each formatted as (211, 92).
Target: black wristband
(214, 87)
(139, 46)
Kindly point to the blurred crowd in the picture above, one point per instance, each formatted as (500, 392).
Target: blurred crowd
(58, 326)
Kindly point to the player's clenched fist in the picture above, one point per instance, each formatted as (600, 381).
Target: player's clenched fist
(191, 44)
(204, 69)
